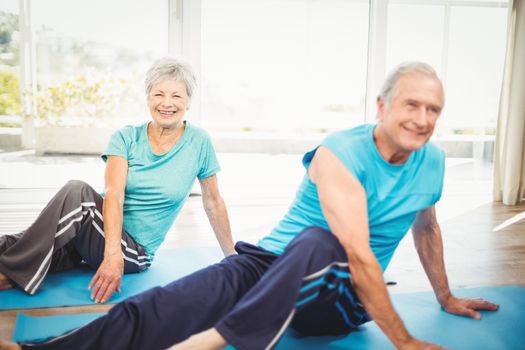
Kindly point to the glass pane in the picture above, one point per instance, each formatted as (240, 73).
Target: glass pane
(415, 33)
(495, 2)
(9, 62)
(283, 65)
(475, 69)
(91, 57)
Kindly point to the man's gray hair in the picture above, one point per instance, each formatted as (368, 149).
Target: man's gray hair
(404, 68)
(171, 68)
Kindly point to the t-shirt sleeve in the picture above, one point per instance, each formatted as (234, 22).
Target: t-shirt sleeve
(208, 163)
(440, 166)
(117, 146)
(337, 144)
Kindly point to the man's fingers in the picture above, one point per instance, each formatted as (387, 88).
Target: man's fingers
(464, 311)
(469, 313)
(474, 314)
(480, 304)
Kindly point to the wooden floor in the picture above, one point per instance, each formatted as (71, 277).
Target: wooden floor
(475, 255)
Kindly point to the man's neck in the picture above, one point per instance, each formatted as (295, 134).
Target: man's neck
(387, 149)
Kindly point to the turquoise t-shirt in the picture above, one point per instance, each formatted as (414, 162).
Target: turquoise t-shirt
(157, 185)
(395, 193)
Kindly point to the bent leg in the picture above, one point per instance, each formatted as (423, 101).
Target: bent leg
(336, 311)
(67, 231)
(90, 244)
(42, 247)
(163, 316)
(309, 272)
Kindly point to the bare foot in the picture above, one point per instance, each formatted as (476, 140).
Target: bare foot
(5, 283)
(4, 345)
(207, 340)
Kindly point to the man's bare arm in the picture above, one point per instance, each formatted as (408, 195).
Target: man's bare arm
(429, 246)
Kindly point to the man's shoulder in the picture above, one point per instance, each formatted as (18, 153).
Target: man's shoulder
(358, 134)
(360, 131)
(433, 152)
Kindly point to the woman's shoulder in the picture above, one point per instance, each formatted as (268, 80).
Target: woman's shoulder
(196, 133)
(131, 132)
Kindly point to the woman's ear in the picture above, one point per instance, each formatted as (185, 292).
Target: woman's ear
(380, 108)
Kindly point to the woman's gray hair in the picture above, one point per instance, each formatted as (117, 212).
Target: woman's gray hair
(171, 68)
(404, 68)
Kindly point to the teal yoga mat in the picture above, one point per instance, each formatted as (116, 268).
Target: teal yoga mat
(37, 328)
(504, 329)
(69, 288)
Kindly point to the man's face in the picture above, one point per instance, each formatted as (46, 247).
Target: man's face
(411, 115)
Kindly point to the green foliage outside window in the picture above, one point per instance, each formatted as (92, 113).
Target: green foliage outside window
(9, 94)
(9, 51)
(80, 97)
(9, 48)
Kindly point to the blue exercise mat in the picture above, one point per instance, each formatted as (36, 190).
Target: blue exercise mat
(504, 329)
(69, 288)
(37, 328)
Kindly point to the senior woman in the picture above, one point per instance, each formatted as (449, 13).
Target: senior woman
(150, 170)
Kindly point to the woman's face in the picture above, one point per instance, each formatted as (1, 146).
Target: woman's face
(168, 102)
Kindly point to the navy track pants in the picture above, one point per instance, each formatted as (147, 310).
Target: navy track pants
(250, 298)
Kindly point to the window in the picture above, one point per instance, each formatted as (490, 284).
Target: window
(292, 65)
(475, 61)
(415, 33)
(288, 67)
(465, 43)
(9, 62)
(91, 57)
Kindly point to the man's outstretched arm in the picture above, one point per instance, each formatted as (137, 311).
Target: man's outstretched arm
(429, 246)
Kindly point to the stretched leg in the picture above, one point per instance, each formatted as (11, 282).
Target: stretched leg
(67, 231)
(312, 270)
(166, 315)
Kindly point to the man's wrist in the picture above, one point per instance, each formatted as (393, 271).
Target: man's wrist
(444, 297)
(401, 340)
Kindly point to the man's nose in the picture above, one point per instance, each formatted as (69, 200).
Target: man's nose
(421, 117)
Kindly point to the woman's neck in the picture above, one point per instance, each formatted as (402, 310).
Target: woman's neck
(162, 139)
